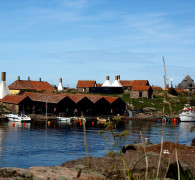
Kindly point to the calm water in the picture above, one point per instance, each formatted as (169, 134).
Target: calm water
(31, 145)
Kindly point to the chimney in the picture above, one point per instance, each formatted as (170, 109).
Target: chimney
(3, 76)
(4, 90)
(18, 78)
(116, 77)
(28, 78)
(107, 77)
(39, 79)
(60, 87)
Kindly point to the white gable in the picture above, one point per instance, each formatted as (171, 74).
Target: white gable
(4, 90)
(107, 83)
(116, 83)
(60, 87)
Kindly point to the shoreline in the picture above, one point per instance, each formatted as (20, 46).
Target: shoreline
(39, 117)
(101, 166)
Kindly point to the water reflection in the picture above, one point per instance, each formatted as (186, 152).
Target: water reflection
(32, 144)
(19, 125)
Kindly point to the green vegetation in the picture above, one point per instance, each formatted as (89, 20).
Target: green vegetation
(117, 141)
(3, 108)
(177, 102)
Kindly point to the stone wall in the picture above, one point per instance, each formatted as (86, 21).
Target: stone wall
(136, 94)
(12, 107)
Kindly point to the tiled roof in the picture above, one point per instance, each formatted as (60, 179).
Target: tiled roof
(14, 99)
(44, 97)
(179, 90)
(76, 97)
(140, 82)
(110, 99)
(31, 85)
(140, 88)
(99, 85)
(85, 84)
(56, 98)
(156, 88)
(94, 98)
(126, 83)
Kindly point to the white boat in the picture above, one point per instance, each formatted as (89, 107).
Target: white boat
(11, 116)
(18, 118)
(65, 119)
(187, 114)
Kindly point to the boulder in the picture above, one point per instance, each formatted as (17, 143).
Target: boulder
(193, 142)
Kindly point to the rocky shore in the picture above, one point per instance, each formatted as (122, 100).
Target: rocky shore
(111, 166)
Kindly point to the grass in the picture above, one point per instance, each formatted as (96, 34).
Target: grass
(176, 102)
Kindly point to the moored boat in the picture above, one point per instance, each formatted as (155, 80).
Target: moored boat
(65, 119)
(187, 114)
(18, 118)
(11, 116)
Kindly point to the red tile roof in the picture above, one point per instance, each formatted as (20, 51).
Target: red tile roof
(76, 97)
(13, 99)
(56, 98)
(85, 84)
(126, 83)
(140, 88)
(94, 98)
(156, 88)
(141, 82)
(45, 97)
(99, 85)
(110, 99)
(179, 90)
(31, 85)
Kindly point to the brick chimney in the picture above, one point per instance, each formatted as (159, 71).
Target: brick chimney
(107, 77)
(3, 76)
(118, 77)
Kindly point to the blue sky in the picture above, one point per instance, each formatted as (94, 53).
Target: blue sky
(90, 39)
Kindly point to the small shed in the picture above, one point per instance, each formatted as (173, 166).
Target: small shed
(141, 92)
(18, 103)
(83, 85)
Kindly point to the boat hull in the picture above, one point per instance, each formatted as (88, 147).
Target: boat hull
(65, 119)
(18, 118)
(187, 118)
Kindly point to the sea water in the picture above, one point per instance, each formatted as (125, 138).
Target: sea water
(27, 145)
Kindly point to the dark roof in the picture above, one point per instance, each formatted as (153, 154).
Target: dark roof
(85, 84)
(31, 85)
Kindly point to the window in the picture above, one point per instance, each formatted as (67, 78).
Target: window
(140, 93)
